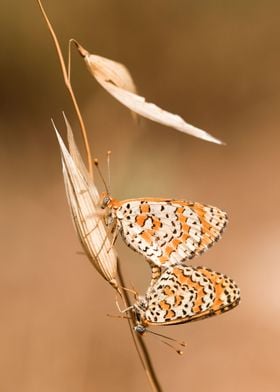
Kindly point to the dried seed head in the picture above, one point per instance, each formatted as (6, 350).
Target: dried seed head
(83, 199)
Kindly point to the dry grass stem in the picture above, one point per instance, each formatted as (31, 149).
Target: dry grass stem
(68, 85)
(83, 200)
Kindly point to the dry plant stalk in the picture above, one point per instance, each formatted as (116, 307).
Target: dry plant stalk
(69, 88)
(83, 199)
(116, 79)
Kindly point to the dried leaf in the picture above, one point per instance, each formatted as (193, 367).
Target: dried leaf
(116, 79)
(111, 71)
(83, 201)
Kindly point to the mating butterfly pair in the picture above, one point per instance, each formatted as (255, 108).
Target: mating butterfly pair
(168, 232)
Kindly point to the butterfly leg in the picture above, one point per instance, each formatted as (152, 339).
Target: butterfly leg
(119, 316)
(115, 232)
(100, 215)
(122, 310)
(102, 246)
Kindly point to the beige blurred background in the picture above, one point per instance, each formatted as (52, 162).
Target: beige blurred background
(215, 63)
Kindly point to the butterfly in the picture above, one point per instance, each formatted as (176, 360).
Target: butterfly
(165, 231)
(183, 294)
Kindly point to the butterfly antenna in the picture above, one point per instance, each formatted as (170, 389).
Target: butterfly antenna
(180, 343)
(119, 316)
(180, 352)
(96, 163)
(108, 168)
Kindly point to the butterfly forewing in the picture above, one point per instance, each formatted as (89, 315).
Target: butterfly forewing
(183, 294)
(167, 232)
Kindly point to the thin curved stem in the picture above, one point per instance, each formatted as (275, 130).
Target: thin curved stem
(69, 88)
(138, 341)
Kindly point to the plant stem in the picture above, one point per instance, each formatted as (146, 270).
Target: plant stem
(138, 341)
(69, 88)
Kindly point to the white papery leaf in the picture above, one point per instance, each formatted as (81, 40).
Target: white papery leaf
(151, 111)
(116, 79)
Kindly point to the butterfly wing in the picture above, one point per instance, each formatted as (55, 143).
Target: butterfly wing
(183, 294)
(167, 232)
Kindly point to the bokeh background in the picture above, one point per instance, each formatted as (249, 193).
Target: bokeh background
(215, 63)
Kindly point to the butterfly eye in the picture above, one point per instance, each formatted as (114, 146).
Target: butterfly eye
(140, 329)
(105, 202)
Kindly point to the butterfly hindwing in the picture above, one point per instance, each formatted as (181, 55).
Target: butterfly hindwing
(183, 294)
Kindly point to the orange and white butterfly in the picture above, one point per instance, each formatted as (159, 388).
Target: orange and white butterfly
(165, 231)
(183, 294)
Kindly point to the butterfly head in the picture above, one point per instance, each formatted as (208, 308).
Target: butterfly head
(106, 200)
(139, 310)
(141, 329)
(106, 204)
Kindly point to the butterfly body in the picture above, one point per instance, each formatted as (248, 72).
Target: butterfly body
(183, 294)
(166, 231)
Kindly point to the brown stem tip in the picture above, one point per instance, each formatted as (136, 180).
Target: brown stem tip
(83, 52)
